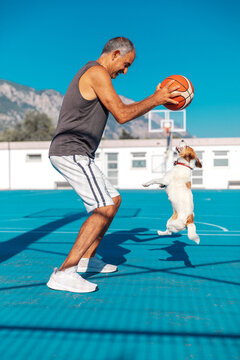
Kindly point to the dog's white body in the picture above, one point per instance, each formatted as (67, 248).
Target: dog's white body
(180, 196)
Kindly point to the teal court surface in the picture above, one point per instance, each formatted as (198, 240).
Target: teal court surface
(170, 299)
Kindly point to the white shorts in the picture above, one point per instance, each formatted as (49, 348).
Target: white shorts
(86, 179)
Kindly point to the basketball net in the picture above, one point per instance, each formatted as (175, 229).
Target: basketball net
(167, 130)
(168, 134)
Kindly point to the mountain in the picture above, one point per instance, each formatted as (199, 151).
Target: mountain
(137, 127)
(16, 100)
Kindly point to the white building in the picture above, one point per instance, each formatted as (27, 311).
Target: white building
(127, 163)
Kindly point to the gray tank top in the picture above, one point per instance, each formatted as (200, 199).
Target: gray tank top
(81, 122)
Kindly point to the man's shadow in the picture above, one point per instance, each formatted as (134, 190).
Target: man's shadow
(111, 249)
(177, 252)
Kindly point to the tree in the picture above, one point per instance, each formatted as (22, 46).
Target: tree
(176, 136)
(126, 135)
(36, 126)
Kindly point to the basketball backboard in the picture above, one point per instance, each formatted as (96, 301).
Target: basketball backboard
(158, 120)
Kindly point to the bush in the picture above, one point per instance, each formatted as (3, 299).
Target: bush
(36, 126)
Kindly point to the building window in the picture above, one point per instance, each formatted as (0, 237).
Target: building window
(197, 174)
(220, 158)
(112, 168)
(33, 157)
(197, 177)
(199, 155)
(220, 162)
(197, 181)
(139, 160)
(221, 153)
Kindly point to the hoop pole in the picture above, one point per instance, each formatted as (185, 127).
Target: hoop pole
(169, 139)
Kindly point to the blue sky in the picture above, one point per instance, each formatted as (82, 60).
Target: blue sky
(43, 44)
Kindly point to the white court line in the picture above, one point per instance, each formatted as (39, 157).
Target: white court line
(207, 215)
(39, 232)
(11, 229)
(220, 227)
(219, 234)
(31, 193)
(197, 222)
(150, 217)
(154, 232)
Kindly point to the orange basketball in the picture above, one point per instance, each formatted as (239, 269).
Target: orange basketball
(186, 89)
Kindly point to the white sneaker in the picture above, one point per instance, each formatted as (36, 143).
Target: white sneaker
(70, 281)
(94, 264)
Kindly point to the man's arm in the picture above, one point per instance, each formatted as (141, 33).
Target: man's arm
(100, 82)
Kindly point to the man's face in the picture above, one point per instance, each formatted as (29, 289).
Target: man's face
(120, 64)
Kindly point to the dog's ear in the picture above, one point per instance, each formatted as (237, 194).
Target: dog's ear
(198, 163)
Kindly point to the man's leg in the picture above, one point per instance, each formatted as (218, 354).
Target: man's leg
(91, 233)
(92, 249)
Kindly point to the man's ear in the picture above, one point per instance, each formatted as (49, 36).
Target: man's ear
(115, 54)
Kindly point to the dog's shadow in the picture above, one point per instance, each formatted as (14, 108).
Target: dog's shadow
(177, 252)
(112, 249)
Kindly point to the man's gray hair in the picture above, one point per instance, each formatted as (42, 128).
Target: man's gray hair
(122, 44)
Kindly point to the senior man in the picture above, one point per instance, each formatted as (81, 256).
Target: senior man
(83, 116)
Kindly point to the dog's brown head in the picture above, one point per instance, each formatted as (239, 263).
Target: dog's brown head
(188, 154)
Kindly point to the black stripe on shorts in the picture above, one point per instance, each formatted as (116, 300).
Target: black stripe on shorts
(88, 179)
(97, 186)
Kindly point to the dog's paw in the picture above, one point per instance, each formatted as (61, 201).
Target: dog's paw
(146, 184)
(194, 238)
(162, 233)
(192, 235)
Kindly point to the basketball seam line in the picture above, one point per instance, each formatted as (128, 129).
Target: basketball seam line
(189, 95)
(179, 83)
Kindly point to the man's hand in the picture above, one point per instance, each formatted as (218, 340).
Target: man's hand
(166, 94)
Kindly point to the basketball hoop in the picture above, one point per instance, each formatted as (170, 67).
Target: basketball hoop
(167, 123)
(159, 120)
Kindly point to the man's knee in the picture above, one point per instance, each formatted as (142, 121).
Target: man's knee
(109, 211)
(117, 201)
(106, 212)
